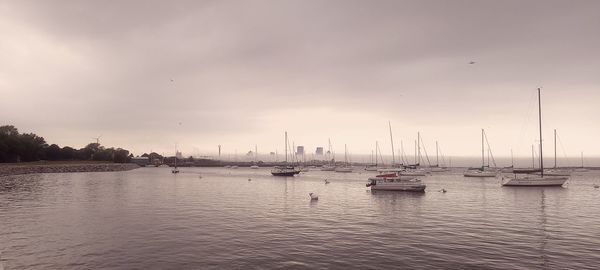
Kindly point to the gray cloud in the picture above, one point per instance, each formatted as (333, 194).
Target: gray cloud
(73, 69)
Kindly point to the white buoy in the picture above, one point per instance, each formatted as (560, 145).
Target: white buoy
(443, 190)
(313, 196)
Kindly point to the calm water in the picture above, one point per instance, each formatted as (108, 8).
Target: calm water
(151, 219)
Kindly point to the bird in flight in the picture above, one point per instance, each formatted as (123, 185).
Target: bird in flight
(472, 63)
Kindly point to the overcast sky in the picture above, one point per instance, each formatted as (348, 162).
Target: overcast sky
(147, 75)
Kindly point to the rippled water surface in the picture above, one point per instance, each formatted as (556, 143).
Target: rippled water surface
(215, 218)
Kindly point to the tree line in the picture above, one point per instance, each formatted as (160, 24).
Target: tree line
(26, 147)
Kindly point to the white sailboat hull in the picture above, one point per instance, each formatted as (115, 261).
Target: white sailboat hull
(536, 181)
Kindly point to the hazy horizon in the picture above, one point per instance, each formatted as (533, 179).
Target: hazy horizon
(156, 76)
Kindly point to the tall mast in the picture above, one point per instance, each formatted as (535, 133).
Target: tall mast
(437, 161)
(482, 150)
(392, 141)
(255, 152)
(581, 159)
(555, 148)
(345, 154)
(416, 162)
(286, 141)
(512, 159)
(329, 155)
(419, 145)
(541, 143)
(376, 149)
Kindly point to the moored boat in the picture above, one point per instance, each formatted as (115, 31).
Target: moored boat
(535, 180)
(286, 170)
(395, 182)
(542, 179)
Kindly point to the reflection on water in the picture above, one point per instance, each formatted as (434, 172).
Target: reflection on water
(151, 219)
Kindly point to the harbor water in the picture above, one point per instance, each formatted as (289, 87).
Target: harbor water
(219, 218)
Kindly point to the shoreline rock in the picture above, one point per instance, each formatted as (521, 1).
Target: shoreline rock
(65, 168)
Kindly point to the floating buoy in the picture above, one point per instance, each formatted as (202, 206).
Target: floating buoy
(326, 181)
(443, 190)
(249, 179)
(596, 186)
(313, 196)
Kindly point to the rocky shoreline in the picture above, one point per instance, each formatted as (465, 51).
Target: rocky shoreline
(65, 168)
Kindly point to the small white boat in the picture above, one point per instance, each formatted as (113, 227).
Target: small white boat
(234, 167)
(313, 196)
(254, 167)
(534, 180)
(304, 169)
(395, 182)
(479, 173)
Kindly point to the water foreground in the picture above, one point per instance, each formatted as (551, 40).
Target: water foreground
(216, 218)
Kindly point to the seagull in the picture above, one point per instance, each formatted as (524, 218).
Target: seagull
(472, 63)
(596, 186)
(443, 190)
(249, 179)
(326, 181)
(172, 80)
(313, 196)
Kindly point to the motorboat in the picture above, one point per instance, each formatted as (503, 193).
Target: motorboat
(396, 182)
(284, 171)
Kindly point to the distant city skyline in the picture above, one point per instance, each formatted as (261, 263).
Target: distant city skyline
(195, 75)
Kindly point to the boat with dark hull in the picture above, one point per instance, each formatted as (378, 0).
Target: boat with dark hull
(286, 170)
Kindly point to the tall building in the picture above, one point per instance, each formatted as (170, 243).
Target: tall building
(319, 151)
(300, 150)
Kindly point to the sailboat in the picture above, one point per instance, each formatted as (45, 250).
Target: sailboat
(436, 167)
(581, 169)
(286, 170)
(415, 169)
(542, 179)
(481, 172)
(346, 168)
(331, 162)
(255, 166)
(374, 167)
(555, 171)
